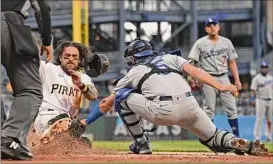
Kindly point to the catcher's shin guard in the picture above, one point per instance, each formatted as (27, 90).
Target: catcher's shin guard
(133, 123)
(58, 124)
(219, 142)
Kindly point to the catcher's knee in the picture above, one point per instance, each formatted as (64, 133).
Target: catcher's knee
(219, 142)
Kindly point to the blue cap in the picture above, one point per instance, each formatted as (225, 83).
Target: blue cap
(264, 65)
(211, 20)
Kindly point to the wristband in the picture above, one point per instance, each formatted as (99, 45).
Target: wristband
(85, 90)
(252, 98)
(82, 86)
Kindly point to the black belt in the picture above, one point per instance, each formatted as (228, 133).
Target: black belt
(170, 98)
(217, 74)
(267, 99)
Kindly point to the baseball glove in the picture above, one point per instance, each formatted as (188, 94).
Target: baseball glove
(77, 128)
(97, 65)
(194, 84)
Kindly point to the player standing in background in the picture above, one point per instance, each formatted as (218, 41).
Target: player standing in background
(20, 57)
(262, 88)
(215, 54)
(63, 88)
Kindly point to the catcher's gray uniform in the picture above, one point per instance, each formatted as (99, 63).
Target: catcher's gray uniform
(213, 58)
(166, 99)
(263, 86)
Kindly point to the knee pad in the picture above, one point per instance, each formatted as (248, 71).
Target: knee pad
(219, 142)
(58, 117)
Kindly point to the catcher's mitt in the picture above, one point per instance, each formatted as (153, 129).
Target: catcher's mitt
(77, 128)
(97, 65)
(194, 84)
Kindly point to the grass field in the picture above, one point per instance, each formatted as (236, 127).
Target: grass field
(162, 146)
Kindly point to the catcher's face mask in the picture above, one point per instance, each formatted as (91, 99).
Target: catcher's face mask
(97, 65)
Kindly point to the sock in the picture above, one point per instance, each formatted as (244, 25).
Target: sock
(234, 126)
(94, 114)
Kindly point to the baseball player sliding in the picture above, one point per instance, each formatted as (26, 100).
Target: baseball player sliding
(63, 88)
(262, 88)
(155, 90)
(215, 54)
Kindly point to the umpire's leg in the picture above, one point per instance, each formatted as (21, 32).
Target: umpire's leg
(23, 73)
(3, 114)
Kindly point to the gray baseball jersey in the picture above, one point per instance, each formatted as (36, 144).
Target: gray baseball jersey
(156, 85)
(213, 57)
(263, 86)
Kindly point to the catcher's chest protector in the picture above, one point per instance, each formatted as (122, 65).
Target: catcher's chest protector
(157, 70)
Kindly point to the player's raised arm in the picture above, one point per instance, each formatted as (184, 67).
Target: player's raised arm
(86, 86)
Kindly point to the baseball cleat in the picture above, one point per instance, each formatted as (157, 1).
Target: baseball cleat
(239, 152)
(139, 148)
(255, 148)
(58, 126)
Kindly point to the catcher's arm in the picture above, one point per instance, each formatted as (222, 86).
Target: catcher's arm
(194, 83)
(104, 106)
(203, 76)
(107, 103)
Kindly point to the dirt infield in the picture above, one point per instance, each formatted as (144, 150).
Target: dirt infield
(125, 157)
(64, 149)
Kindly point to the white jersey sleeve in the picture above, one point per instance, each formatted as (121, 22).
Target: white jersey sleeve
(86, 80)
(45, 70)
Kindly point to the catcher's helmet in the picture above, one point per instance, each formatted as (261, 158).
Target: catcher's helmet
(136, 50)
(97, 65)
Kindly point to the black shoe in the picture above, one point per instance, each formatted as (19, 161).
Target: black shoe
(139, 148)
(239, 152)
(13, 149)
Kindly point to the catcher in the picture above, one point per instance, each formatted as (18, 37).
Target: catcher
(155, 90)
(63, 88)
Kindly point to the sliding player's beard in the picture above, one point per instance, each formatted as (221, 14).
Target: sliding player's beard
(69, 66)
